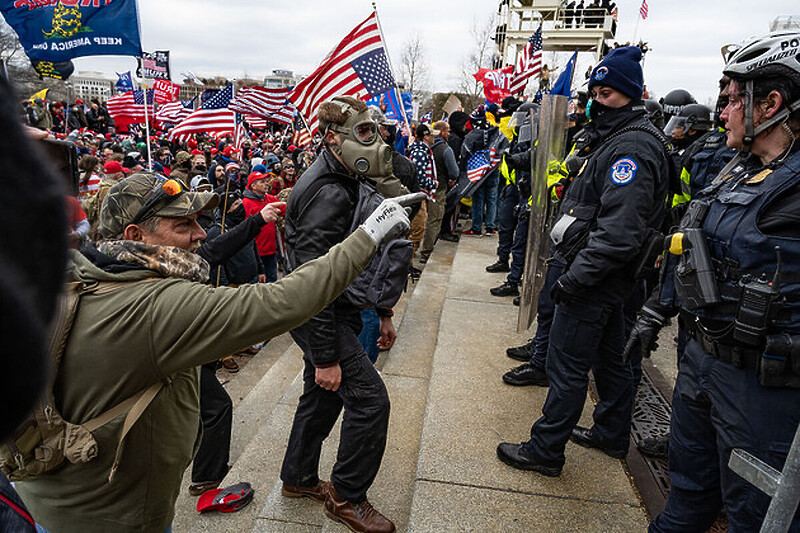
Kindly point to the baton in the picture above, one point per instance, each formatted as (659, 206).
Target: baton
(409, 199)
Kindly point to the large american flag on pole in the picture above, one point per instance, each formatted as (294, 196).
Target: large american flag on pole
(129, 106)
(529, 63)
(255, 100)
(213, 116)
(357, 67)
(175, 112)
(643, 10)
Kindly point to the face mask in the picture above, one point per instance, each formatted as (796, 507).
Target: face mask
(362, 151)
(390, 140)
(594, 109)
(201, 168)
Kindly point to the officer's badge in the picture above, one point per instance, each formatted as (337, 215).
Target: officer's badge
(623, 171)
(758, 178)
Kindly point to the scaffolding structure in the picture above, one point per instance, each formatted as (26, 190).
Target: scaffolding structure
(561, 30)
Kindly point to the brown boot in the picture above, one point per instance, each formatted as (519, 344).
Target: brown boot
(318, 492)
(360, 517)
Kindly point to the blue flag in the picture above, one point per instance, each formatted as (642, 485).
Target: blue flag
(393, 111)
(59, 31)
(563, 84)
(125, 82)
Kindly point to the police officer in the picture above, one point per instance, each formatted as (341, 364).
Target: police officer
(736, 387)
(674, 102)
(605, 216)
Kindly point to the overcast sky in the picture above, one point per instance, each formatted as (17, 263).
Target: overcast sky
(253, 37)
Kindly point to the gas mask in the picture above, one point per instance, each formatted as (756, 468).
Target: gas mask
(362, 151)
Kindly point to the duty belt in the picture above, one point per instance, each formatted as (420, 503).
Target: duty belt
(721, 346)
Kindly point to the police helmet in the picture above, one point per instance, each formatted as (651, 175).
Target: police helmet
(655, 113)
(697, 117)
(521, 121)
(674, 101)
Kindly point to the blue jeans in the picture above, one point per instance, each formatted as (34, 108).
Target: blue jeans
(717, 407)
(507, 221)
(485, 196)
(370, 333)
(585, 335)
(270, 263)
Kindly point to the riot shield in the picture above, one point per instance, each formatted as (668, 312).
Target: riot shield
(552, 135)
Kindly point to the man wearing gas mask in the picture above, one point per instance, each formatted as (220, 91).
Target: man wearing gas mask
(338, 373)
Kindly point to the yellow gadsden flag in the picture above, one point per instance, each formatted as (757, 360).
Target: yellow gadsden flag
(41, 94)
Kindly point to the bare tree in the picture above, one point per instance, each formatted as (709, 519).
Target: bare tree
(414, 65)
(480, 56)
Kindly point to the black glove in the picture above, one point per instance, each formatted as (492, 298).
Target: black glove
(564, 289)
(644, 334)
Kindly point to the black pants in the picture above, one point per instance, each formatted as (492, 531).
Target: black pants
(366, 419)
(216, 414)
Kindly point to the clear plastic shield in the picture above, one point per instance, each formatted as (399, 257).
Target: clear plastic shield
(552, 135)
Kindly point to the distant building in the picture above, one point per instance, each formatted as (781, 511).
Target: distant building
(280, 79)
(88, 85)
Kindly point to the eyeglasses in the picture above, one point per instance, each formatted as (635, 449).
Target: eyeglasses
(171, 188)
(289, 166)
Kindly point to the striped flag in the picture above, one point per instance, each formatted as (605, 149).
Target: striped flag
(259, 101)
(175, 112)
(240, 134)
(254, 121)
(129, 106)
(529, 63)
(480, 163)
(213, 116)
(284, 115)
(357, 67)
(301, 138)
(643, 10)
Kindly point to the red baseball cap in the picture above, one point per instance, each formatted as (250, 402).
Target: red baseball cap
(112, 167)
(227, 500)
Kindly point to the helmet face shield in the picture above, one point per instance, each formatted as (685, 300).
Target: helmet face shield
(676, 127)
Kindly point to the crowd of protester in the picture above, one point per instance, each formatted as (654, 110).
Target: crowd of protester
(600, 310)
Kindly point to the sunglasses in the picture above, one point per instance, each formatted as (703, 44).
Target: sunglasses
(289, 166)
(170, 189)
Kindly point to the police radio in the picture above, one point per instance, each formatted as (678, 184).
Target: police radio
(756, 307)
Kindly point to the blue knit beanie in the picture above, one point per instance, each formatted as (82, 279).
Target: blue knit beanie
(620, 70)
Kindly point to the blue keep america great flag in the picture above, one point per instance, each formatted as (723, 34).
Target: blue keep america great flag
(59, 30)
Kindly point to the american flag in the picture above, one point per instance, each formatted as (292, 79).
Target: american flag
(643, 10)
(284, 115)
(356, 67)
(212, 116)
(260, 101)
(129, 106)
(254, 121)
(240, 134)
(175, 112)
(529, 63)
(301, 138)
(480, 163)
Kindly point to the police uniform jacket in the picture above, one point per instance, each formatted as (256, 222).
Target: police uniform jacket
(613, 203)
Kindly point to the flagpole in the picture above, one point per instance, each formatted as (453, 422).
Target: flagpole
(636, 30)
(147, 128)
(389, 61)
(310, 133)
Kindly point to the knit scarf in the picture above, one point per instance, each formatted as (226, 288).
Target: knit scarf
(168, 261)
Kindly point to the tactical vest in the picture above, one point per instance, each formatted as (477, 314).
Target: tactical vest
(741, 252)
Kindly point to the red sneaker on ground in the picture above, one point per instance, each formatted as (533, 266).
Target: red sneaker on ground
(471, 233)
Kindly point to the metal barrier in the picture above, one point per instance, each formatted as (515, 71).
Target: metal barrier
(782, 486)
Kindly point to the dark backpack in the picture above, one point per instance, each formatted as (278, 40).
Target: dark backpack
(383, 281)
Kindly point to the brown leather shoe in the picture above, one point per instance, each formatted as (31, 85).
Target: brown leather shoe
(229, 364)
(318, 492)
(361, 517)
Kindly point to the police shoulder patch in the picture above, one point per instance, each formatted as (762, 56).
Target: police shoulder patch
(623, 171)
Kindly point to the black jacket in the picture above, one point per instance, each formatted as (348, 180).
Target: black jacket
(313, 225)
(244, 264)
(220, 248)
(617, 196)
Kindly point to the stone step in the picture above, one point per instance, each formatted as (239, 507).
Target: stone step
(253, 391)
(460, 484)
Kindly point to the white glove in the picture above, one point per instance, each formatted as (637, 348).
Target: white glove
(387, 222)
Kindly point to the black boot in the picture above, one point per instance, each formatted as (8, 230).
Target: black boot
(506, 289)
(521, 353)
(499, 266)
(526, 374)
